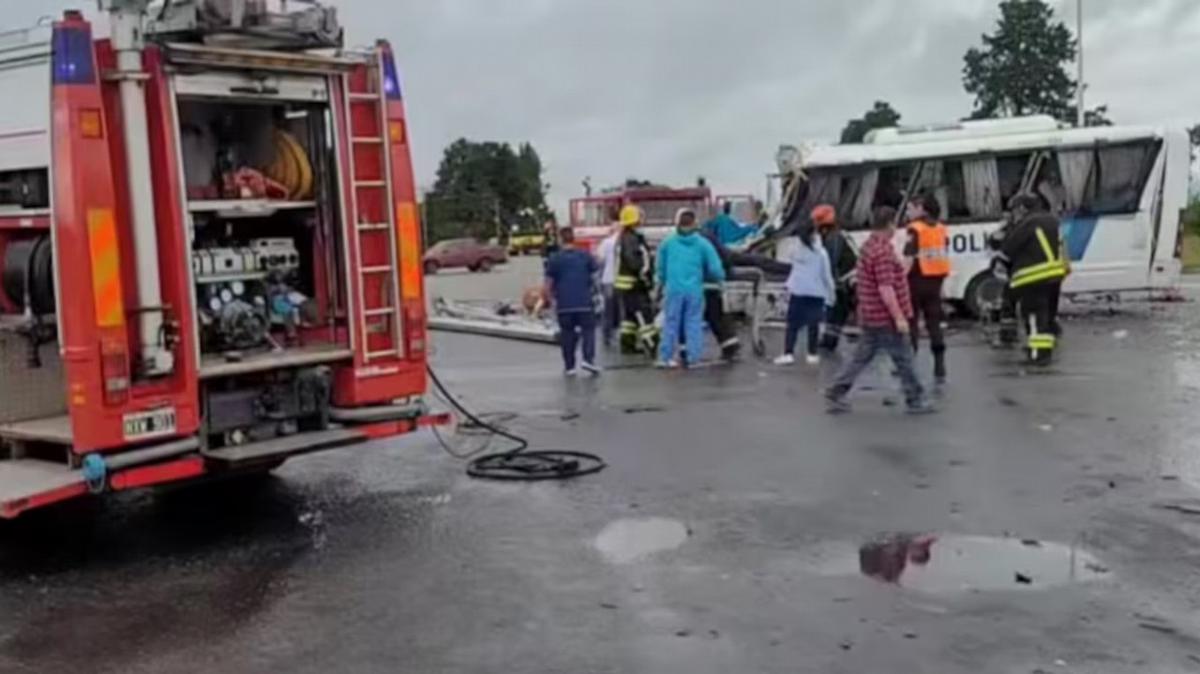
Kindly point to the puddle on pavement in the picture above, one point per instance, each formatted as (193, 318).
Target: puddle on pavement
(939, 565)
(629, 540)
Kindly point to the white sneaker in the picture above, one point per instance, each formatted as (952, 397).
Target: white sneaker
(591, 369)
(786, 359)
(812, 360)
(571, 373)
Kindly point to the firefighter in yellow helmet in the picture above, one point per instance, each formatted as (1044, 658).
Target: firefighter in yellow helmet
(633, 285)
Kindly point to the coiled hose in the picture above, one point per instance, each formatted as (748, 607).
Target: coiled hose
(519, 464)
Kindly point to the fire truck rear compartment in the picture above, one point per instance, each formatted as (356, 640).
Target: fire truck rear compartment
(268, 264)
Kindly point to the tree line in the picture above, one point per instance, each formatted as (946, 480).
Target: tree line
(1022, 68)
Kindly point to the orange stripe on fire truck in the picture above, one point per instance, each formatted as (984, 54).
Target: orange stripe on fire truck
(106, 268)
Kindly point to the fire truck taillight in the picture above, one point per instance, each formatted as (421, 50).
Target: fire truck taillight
(114, 370)
(74, 61)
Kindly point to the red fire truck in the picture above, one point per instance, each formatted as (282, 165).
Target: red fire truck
(209, 248)
(592, 217)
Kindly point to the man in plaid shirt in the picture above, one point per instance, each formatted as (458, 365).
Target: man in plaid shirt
(884, 310)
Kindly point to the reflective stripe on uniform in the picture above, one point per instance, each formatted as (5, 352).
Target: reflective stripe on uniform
(629, 328)
(1040, 342)
(624, 283)
(1052, 268)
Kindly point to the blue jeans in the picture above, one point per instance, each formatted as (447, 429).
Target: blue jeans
(684, 314)
(804, 312)
(576, 326)
(894, 344)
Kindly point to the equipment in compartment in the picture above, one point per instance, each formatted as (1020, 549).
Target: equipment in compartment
(254, 261)
(248, 151)
(244, 291)
(276, 405)
(28, 274)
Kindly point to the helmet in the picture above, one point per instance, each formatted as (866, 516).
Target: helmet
(631, 216)
(824, 215)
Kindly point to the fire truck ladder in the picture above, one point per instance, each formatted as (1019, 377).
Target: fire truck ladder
(366, 114)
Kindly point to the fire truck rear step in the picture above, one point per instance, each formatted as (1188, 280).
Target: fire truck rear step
(26, 478)
(284, 447)
(56, 430)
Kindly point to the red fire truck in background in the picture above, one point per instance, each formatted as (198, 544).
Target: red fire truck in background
(592, 217)
(210, 251)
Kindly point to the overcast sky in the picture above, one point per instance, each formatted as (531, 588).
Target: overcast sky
(671, 89)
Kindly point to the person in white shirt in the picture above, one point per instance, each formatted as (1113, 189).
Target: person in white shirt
(606, 255)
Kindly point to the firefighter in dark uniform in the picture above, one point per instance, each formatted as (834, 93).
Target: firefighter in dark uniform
(1032, 251)
(929, 246)
(843, 258)
(634, 284)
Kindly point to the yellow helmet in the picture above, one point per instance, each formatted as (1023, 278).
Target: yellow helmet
(631, 216)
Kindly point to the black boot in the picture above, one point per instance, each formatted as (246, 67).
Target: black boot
(939, 366)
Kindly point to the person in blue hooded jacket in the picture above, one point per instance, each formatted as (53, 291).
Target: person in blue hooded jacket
(726, 229)
(686, 261)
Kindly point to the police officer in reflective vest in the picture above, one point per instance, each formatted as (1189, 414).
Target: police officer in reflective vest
(1033, 253)
(929, 248)
(633, 285)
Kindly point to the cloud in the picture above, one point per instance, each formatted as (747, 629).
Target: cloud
(672, 89)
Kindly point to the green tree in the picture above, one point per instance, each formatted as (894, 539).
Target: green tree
(1096, 116)
(881, 116)
(483, 189)
(1021, 69)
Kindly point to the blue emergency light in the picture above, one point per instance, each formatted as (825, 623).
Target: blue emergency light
(391, 80)
(72, 55)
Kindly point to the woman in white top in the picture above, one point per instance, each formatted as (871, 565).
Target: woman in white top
(810, 285)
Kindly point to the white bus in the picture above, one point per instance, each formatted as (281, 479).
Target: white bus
(1120, 192)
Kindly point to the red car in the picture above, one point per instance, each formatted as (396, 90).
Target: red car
(460, 253)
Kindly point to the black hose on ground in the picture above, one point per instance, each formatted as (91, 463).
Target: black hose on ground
(519, 464)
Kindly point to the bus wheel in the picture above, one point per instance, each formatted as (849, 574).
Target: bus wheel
(985, 290)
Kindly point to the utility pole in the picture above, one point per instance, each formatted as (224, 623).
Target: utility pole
(1080, 85)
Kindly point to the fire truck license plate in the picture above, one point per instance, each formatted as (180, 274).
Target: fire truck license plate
(153, 424)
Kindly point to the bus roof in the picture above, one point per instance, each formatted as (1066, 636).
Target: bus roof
(956, 142)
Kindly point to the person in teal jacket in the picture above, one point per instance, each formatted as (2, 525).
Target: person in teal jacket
(726, 229)
(686, 261)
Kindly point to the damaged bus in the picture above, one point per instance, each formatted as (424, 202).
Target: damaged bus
(1120, 191)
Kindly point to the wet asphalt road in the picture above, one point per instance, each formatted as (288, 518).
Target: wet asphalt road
(738, 529)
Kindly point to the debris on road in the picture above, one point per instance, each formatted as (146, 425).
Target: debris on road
(1155, 624)
(644, 409)
(1183, 508)
(1022, 578)
(492, 319)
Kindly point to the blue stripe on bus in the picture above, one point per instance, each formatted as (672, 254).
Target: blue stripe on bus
(1077, 232)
